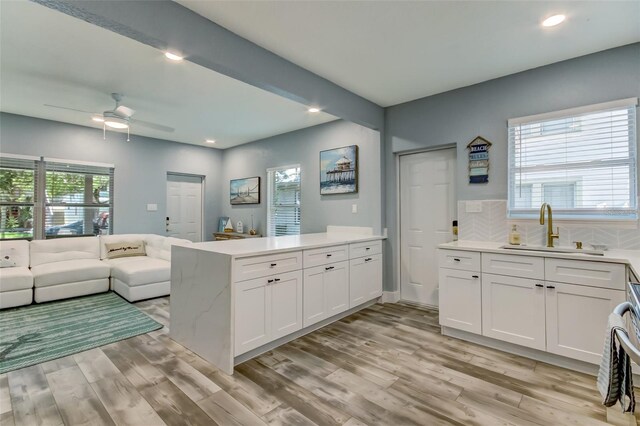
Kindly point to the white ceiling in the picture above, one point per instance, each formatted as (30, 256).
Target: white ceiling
(395, 51)
(47, 57)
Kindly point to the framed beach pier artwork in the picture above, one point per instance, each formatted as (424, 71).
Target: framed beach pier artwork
(339, 170)
(245, 191)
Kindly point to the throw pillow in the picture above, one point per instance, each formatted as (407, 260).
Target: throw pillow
(125, 249)
(6, 262)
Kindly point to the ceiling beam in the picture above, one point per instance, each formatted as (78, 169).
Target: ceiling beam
(167, 25)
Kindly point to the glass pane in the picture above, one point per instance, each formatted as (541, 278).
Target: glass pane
(63, 221)
(77, 188)
(16, 185)
(16, 222)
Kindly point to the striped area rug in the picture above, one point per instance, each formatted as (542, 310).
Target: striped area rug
(37, 333)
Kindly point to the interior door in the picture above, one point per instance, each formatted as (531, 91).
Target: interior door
(184, 207)
(427, 208)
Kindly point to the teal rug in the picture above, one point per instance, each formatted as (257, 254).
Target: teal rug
(37, 333)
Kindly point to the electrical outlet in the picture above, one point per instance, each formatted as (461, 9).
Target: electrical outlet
(152, 207)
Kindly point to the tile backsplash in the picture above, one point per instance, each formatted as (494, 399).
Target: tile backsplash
(491, 224)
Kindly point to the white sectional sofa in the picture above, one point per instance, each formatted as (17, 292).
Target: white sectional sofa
(141, 277)
(70, 267)
(16, 282)
(67, 267)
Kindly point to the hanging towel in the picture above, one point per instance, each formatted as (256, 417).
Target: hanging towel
(615, 380)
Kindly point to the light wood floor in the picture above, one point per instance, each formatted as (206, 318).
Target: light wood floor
(386, 365)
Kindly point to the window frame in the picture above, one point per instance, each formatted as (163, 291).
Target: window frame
(578, 215)
(297, 206)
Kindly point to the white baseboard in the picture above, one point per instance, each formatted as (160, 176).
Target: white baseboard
(390, 297)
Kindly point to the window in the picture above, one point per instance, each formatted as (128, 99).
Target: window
(47, 198)
(17, 196)
(582, 161)
(283, 201)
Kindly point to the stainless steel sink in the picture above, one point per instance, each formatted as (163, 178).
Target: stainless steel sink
(554, 249)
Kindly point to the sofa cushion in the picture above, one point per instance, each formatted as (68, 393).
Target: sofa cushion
(18, 278)
(18, 251)
(135, 271)
(64, 249)
(125, 249)
(69, 271)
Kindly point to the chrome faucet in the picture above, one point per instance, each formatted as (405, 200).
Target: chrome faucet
(550, 234)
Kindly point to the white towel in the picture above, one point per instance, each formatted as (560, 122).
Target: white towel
(615, 380)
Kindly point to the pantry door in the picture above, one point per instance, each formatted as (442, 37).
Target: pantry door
(184, 207)
(427, 209)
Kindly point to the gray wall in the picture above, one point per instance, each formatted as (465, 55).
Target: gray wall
(141, 166)
(303, 147)
(456, 117)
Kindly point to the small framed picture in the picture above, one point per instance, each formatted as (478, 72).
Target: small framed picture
(339, 170)
(245, 191)
(221, 223)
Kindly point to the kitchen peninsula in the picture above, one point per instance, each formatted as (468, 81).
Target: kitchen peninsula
(232, 300)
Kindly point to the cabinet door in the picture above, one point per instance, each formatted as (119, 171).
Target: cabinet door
(513, 310)
(357, 282)
(313, 306)
(252, 317)
(460, 300)
(286, 304)
(336, 284)
(373, 283)
(577, 318)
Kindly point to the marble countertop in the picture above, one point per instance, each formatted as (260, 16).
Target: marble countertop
(271, 245)
(628, 257)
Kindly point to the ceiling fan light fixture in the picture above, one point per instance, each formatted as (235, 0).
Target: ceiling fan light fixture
(98, 119)
(210, 141)
(314, 109)
(116, 123)
(173, 56)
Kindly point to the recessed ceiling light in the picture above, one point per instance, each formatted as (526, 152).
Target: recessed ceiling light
(314, 109)
(98, 119)
(554, 20)
(210, 141)
(173, 56)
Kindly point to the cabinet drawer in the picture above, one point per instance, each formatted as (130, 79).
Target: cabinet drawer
(584, 272)
(261, 266)
(325, 255)
(457, 259)
(365, 249)
(513, 265)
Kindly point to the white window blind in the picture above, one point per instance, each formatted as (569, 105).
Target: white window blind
(582, 161)
(17, 196)
(78, 199)
(283, 201)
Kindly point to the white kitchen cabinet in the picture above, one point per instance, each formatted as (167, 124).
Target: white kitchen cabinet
(460, 300)
(577, 319)
(365, 279)
(326, 292)
(266, 309)
(513, 310)
(513, 265)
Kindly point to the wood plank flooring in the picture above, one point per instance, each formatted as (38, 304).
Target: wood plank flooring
(385, 365)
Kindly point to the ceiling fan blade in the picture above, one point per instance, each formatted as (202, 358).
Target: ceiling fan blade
(152, 125)
(70, 109)
(124, 111)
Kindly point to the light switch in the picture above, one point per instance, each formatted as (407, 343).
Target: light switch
(354, 208)
(473, 206)
(152, 207)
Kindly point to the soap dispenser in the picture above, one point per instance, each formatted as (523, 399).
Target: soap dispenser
(514, 236)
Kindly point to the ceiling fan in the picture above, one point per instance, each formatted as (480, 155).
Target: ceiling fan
(119, 117)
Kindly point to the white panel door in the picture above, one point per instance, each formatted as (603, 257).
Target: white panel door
(313, 295)
(577, 318)
(427, 208)
(336, 283)
(252, 316)
(286, 304)
(513, 310)
(184, 207)
(461, 300)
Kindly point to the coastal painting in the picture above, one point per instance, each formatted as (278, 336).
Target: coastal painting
(339, 170)
(245, 191)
